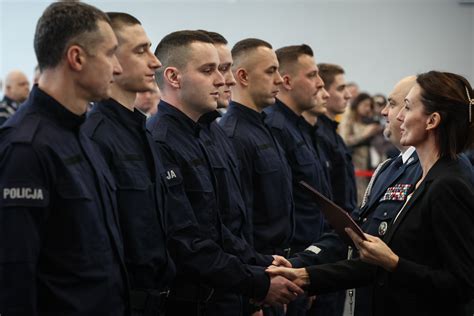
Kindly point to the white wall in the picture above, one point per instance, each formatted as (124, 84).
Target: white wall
(376, 41)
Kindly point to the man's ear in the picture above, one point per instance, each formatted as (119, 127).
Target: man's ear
(76, 57)
(242, 77)
(172, 77)
(287, 82)
(433, 121)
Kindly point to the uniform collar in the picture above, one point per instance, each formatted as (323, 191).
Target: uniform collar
(209, 117)
(112, 108)
(48, 106)
(324, 119)
(407, 154)
(249, 114)
(164, 108)
(290, 114)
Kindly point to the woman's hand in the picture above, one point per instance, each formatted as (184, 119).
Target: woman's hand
(374, 250)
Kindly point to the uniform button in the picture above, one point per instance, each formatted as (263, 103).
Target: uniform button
(364, 220)
(385, 214)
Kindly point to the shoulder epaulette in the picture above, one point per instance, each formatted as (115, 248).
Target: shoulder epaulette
(230, 126)
(93, 121)
(159, 132)
(26, 131)
(276, 119)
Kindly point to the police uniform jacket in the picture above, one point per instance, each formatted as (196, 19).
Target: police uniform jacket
(226, 168)
(294, 135)
(342, 170)
(196, 233)
(60, 245)
(432, 235)
(126, 145)
(266, 178)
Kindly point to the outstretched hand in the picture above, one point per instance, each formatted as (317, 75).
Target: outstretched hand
(281, 291)
(374, 251)
(299, 277)
(280, 261)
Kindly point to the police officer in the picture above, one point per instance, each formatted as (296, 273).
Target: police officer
(301, 83)
(119, 130)
(342, 170)
(226, 169)
(299, 92)
(60, 248)
(205, 253)
(311, 116)
(266, 178)
(392, 182)
(17, 88)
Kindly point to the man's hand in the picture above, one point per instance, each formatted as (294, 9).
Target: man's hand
(374, 251)
(280, 261)
(281, 291)
(299, 277)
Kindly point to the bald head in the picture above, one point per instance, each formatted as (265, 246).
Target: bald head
(17, 86)
(394, 105)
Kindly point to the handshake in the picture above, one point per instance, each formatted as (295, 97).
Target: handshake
(286, 283)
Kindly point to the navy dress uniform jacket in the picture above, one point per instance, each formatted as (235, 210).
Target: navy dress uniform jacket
(196, 233)
(344, 190)
(60, 246)
(126, 145)
(266, 178)
(433, 238)
(294, 135)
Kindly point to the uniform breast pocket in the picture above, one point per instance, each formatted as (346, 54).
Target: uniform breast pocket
(304, 156)
(74, 189)
(76, 219)
(379, 223)
(132, 179)
(197, 180)
(267, 161)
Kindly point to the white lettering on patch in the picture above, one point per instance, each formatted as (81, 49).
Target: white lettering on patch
(23, 194)
(170, 175)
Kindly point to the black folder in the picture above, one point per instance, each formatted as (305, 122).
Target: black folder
(336, 216)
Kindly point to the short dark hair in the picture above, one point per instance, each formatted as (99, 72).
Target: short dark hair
(288, 56)
(445, 93)
(173, 50)
(119, 19)
(328, 72)
(246, 45)
(216, 37)
(63, 24)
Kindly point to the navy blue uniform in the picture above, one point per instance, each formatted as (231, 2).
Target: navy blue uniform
(226, 167)
(342, 170)
(391, 184)
(8, 107)
(126, 145)
(60, 245)
(266, 178)
(206, 253)
(294, 135)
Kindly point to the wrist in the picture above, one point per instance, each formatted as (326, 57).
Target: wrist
(303, 276)
(393, 263)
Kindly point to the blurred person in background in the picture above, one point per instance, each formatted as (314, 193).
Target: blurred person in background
(358, 129)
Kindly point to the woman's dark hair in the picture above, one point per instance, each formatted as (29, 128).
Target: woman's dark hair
(445, 93)
(358, 100)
